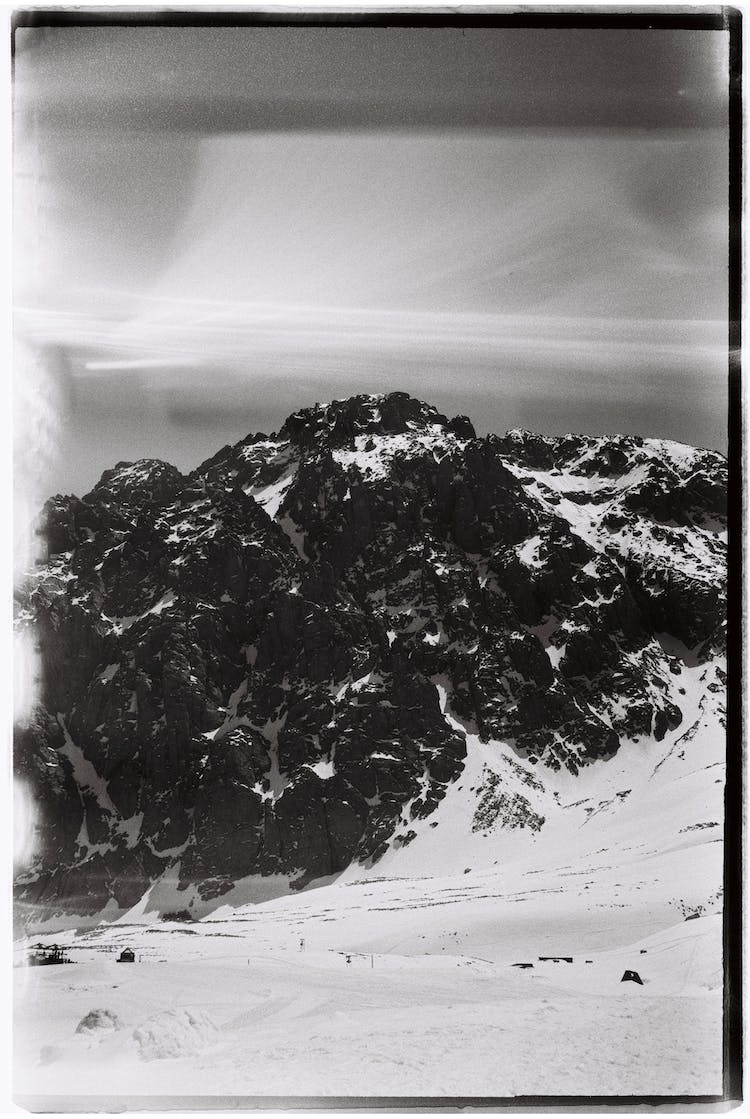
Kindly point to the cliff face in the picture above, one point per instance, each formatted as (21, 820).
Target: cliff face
(264, 667)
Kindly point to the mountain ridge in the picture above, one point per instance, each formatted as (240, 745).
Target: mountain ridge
(271, 666)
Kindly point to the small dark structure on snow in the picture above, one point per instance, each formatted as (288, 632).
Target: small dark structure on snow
(127, 956)
(521, 965)
(556, 959)
(631, 977)
(52, 955)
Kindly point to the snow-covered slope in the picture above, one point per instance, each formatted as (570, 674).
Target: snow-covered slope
(394, 987)
(374, 645)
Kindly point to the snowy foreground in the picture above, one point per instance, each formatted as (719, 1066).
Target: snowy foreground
(429, 1004)
(405, 984)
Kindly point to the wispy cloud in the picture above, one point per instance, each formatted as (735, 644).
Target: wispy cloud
(531, 229)
(139, 363)
(178, 333)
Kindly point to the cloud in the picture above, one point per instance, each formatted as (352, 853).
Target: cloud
(182, 334)
(493, 223)
(214, 229)
(139, 363)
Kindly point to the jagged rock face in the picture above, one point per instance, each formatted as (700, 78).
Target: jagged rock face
(239, 666)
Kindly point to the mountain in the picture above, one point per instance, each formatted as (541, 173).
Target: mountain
(292, 659)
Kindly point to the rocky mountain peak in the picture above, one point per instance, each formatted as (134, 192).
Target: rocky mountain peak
(340, 422)
(274, 666)
(145, 479)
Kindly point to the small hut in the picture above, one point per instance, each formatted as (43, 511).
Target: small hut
(127, 956)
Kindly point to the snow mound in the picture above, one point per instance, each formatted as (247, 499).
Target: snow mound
(174, 1033)
(48, 1054)
(99, 1020)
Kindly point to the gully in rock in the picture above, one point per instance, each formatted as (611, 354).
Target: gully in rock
(269, 666)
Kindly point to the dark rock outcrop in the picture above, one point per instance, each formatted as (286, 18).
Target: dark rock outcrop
(239, 666)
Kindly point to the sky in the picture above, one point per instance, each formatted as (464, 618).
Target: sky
(215, 227)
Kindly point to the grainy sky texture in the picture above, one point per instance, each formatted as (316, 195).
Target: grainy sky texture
(215, 227)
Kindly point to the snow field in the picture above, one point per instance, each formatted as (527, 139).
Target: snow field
(295, 1023)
